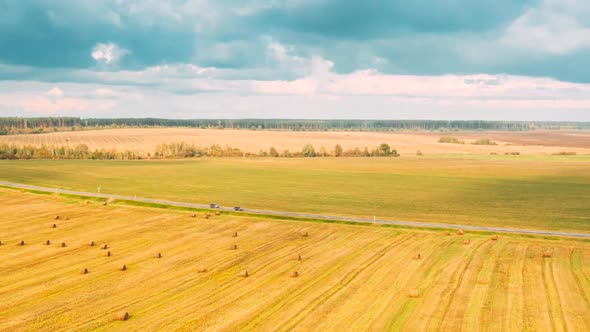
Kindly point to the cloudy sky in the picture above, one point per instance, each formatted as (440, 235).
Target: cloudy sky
(365, 59)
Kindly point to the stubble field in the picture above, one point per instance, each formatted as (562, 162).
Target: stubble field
(350, 277)
(407, 143)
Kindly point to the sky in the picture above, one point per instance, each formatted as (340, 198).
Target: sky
(326, 59)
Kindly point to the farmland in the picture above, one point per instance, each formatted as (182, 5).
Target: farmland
(145, 140)
(350, 277)
(543, 192)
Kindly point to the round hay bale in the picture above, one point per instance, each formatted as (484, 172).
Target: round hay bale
(243, 274)
(294, 274)
(123, 268)
(54, 226)
(217, 213)
(21, 243)
(104, 247)
(207, 215)
(296, 257)
(414, 293)
(482, 281)
(460, 232)
(47, 242)
(56, 218)
(63, 245)
(105, 203)
(233, 247)
(547, 253)
(418, 256)
(201, 269)
(84, 271)
(158, 255)
(447, 233)
(108, 254)
(466, 241)
(123, 315)
(67, 218)
(92, 243)
(304, 234)
(235, 234)
(494, 237)
(0, 243)
(194, 215)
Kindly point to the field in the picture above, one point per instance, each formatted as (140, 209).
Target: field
(543, 192)
(407, 143)
(351, 277)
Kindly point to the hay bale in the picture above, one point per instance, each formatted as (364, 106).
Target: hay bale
(123, 268)
(84, 271)
(466, 241)
(201, 269)
(54, 226)
(63, 245)
(233, 247)
(194, 215)
(104, 247)
(418, 256)
(158, 255)
(304, 234)
(294, 274)
(217, 213)
(21, 243)
(243, 274)
(0, 243)
(207, 215)
(47, 242)
(460, 232)
(414, 293)
(494, 237)
(296, 257)
(56, 218)
(482, 281)
(108, 254)
(447, 233)
(123, 316)
(67, 218)
(235, 234)
(105, 203)
(547, 253)
(92, 243)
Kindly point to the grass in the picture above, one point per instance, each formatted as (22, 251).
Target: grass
(515, 191)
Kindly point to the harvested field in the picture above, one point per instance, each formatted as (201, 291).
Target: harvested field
(352, 277)
(146, 140)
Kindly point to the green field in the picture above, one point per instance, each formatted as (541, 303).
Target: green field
(516, 191)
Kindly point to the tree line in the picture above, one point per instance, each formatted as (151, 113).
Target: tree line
(18, 125)
(181, 150)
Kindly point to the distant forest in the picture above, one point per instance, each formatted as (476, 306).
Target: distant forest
(18, 125)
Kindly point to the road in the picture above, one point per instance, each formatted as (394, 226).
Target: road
(306, 215)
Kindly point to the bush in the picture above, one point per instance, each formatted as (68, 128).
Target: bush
(484, 141)
(450, 139)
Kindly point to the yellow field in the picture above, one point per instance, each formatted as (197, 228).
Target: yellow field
(146, 140)
(351, 277)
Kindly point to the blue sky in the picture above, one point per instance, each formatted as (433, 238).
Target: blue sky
(446, 59)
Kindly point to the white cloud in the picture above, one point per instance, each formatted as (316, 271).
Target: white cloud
(108, 53)
(55, 92)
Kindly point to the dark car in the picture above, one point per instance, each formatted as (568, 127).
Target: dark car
(214, 206)
(237, 208)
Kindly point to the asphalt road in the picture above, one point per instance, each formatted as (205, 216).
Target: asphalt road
(306, 215)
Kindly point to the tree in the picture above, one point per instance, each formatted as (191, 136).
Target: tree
(384, 149)
(338, 150)
(308, 151)
(273, 152)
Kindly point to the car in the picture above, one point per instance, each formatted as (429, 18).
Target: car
(214, 206)
(237, 208)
